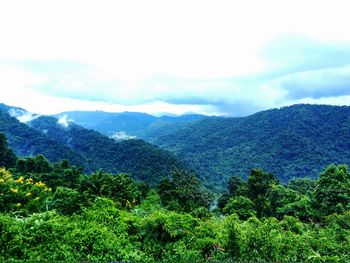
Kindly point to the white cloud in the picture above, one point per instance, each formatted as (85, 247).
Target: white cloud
(63, 121)
(165, 55)
(134, 39)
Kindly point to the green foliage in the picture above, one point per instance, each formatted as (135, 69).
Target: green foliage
(304, 186)
(237, 187)
(22, 195)
(332, 193)
(7, 157)
(103, 217)
(183, 192)
(259, 185)
(120, 188)
(240, 205)
(66, 201)
(37, 164)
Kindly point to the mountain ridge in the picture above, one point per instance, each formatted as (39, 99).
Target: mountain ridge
(293, 141)
(87, 148)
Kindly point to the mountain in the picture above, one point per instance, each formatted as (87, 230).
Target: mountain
(58, 139)
(294, 141)
(26, 141)
(132, 124)
(142, 160)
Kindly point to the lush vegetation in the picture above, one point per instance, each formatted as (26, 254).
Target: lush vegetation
(53, 212)
(142, 160)
(26, 141)
(295, 141)
(87, 148)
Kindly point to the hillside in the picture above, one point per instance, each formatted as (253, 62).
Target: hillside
(26, 141)
(293, 141)
(142, 160)
(86, 148)
(141, 125)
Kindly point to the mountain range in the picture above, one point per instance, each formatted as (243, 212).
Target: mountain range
(127, 124)
(86, 148)
(293, 141)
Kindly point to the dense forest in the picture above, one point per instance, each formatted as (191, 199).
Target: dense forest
(87, 148)
(54, 212)
(291, 142)
(294, 141)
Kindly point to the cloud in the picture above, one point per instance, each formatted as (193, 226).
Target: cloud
(22, 115)
(316, 84)
(288, 53)
(297, 69)
(306, 68)
(63, 121)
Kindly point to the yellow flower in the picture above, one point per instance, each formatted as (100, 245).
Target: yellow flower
(2, 180)
(14, 190)
(40, 184)
(5, 174)
(20, 180)
(29, 181)
(29, 194)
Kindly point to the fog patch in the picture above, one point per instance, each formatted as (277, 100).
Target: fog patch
(22, 115)
(63, 121)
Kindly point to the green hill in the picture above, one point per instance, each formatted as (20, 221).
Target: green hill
(293, 141)
(86, 148)
(142, 160)
(26, 141)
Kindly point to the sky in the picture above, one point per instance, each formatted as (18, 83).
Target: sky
(212, 57)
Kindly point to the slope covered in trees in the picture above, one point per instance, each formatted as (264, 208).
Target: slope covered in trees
(87, 148)
(142, 160)
(26, 141)
(294, 141)
(54, 212)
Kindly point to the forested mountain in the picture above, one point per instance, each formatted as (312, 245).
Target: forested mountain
(26, 141)
(144, 161)
(132, 123)
(104, 217)
(295, 141)
(87, 148)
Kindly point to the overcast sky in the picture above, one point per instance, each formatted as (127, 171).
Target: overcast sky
(212, 57)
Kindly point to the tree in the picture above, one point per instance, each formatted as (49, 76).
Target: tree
(280, 196)
(7, 157)
(240, 205)
(183, 191)
(332, 193)
(120, 188)
(302, 185)
(236, 186)
(259, 184)
(36, 164)
(66, 201)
